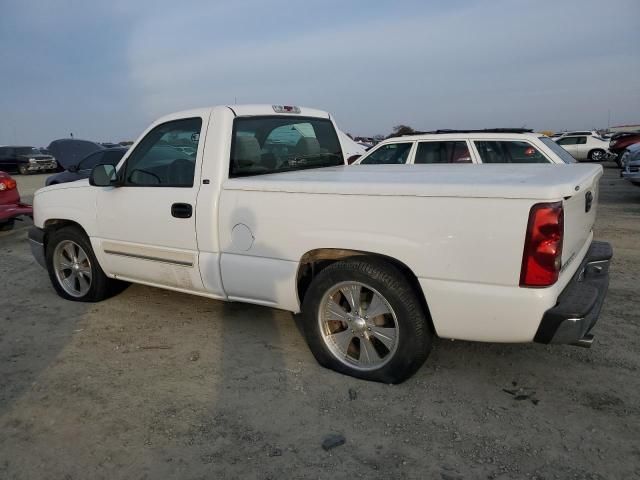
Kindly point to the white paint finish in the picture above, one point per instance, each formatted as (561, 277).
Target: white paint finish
(74, 201)
(265, 281)
(459, 228)
(486, 313)
(430, 235)
(241, 238)
(260, 109)
(531, 181)
(159, 267)
(578, 224)
(210, 273)
(142, 216)
(492, 313)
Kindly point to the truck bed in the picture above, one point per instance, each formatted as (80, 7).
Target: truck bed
(535, 181)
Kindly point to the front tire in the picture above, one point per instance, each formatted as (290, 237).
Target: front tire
(363, 318)
(597, 155)
(23, 169)
(73, 267)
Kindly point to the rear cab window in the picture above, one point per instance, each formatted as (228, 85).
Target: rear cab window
(389, 154)
(508, 151)
(272, 144)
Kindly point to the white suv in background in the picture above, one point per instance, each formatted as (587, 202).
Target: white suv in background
(584, 146)
(468, 146)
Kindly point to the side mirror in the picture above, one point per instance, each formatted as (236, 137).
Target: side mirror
(352, 159)
(103, 176)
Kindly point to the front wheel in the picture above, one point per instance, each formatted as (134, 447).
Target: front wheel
(23, 169)
(73, 268)
(596, 155)
(363, 318)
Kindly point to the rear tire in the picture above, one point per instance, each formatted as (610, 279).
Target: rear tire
(74, 270)
(384, 338)
(597, 155)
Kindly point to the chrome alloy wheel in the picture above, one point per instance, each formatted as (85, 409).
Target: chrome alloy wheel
(72, 268)
(358, 325)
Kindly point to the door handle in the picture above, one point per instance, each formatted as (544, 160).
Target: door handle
(181, 210)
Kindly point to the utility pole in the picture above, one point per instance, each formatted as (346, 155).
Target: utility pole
(608, 119)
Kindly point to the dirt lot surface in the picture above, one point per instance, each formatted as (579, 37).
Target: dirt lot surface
(155, 384)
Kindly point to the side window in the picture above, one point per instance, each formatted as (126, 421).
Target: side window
(508, 151)
(443, 152)
(568, 141)
(391, 153)
(581, 140)
(91, 161)
(159, 160)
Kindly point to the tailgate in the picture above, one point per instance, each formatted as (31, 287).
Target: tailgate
(579, 217)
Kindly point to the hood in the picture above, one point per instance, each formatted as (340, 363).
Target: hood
(68, 151)
(533, 181)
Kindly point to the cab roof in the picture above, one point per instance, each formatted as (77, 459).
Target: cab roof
(246, 110)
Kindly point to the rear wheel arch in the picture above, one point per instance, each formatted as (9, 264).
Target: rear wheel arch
(314, 261)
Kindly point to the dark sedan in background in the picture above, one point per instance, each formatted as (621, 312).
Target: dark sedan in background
(82, 169)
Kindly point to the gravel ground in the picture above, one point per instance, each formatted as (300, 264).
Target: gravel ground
(156, 384)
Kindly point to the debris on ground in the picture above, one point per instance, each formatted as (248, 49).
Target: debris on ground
(333, 440)
(352, 394)
(522, 393)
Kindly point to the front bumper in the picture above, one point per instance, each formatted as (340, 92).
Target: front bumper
(579, 304)
(40, 166)
(36, 242)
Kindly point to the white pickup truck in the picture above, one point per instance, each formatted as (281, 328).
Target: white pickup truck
(255, 204)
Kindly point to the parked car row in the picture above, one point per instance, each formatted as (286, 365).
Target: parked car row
(620, 142)
(493, 146)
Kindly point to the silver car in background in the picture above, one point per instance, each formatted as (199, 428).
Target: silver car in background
(631, 164)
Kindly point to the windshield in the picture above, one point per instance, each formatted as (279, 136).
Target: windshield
(28, 151)
(558, 150)
(273, 144)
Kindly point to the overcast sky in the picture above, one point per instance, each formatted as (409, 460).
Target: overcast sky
(104, 70)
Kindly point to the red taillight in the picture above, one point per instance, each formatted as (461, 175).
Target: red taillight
(7, 184)
(541, 260)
